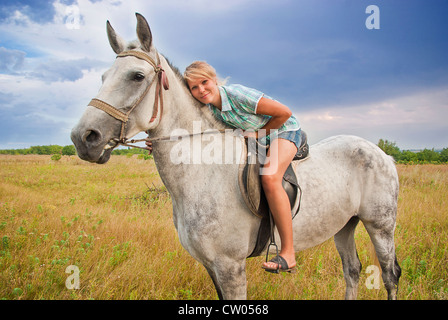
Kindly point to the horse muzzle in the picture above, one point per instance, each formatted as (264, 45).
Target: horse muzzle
(91, 145)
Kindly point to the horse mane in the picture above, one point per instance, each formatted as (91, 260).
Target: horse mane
(175, 69)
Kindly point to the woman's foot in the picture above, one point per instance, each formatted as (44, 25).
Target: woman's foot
(280, 263)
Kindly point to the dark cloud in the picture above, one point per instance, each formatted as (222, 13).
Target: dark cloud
(314, 54)
(29, 127)
(64, 70)
(12, 62)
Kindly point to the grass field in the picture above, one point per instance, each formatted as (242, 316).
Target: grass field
(114, 222)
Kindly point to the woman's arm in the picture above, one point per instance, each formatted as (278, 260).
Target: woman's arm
(279, 115)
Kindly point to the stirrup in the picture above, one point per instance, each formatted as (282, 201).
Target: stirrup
(267, 257)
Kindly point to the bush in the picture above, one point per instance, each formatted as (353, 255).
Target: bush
(56, 157)
(444, 155)
(69, 150)
(390, 148)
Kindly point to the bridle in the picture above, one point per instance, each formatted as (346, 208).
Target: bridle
(114, 112)
(124, 117)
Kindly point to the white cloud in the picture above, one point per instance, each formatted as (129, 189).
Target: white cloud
(404, 118)
(205, 5)
(62, 38)
(50, 70)
(42, 113)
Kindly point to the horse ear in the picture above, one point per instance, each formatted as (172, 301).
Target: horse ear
(143, 32)
(116, 42)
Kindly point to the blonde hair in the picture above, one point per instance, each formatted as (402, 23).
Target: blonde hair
(201, 69)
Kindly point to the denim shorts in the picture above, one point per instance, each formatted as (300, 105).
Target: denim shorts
(293, 136)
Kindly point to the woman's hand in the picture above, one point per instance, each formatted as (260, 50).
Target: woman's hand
(250, 134)
(149, 146)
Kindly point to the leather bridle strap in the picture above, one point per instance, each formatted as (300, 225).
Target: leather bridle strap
(157, 67)
(141, 55)
(124, 117)
(110, 110)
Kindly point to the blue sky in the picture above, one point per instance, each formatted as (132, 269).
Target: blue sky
(316, 56)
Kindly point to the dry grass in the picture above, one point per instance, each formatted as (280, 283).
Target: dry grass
(114, 222)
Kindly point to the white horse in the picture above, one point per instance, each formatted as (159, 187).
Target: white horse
(346, 178)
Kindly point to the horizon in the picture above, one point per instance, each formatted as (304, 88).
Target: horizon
(129, 148)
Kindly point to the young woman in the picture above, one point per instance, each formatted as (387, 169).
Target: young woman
(250, 109)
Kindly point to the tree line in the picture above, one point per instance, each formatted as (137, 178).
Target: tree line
(390, 148)
(44, 150)
(69, 150)
(413, 157)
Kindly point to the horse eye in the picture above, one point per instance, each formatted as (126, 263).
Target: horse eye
(139, 77)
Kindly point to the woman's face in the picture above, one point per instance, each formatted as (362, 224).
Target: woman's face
(205, 90)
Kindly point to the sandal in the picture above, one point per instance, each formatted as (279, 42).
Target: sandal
(282, 266)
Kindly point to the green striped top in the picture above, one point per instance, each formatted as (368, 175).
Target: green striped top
(239, 109)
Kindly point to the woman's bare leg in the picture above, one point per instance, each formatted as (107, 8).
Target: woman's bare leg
(280, 154)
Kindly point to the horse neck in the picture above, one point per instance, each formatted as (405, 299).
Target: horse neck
(180, 111)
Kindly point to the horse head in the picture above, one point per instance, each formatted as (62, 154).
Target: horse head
(122, 107)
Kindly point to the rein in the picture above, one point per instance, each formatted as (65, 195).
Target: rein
(166, 138)
(114, 112)
(175, 138)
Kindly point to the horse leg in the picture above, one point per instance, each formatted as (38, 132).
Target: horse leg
(345, 244)
(217, 287)
(229, 278)
(382, 235)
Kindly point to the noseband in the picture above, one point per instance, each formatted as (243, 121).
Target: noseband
(124, 117)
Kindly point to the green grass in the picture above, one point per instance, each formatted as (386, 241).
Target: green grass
(114, 222)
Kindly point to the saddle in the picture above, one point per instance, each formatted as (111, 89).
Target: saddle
(252, 190)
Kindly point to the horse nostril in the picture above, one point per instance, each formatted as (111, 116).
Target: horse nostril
(91, 136)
